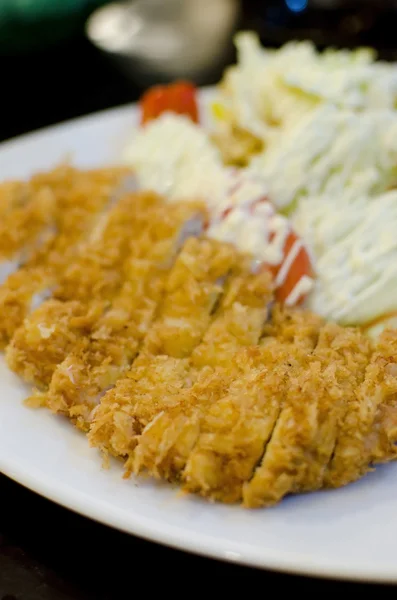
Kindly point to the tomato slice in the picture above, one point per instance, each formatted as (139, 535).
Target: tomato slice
(296, 265)
(179, 97)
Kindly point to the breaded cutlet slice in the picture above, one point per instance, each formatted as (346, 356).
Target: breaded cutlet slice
(98, 270)
(297, 452)
(24, 227)
(235, 430)
(106, 251)
(81, 198)
(51, 206)
(192, 290)
(341, 358)
(116, 338)
(13, 193)
(367, 426)
(295, 326)
(238, 323)
(47, 335)
(381, 443)
(243, 312)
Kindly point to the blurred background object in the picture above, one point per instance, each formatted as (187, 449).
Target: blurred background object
(161, 40)
(27, 25)
(341, 23)
(64, 58)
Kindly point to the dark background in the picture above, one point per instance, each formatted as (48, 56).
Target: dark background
(47, 552)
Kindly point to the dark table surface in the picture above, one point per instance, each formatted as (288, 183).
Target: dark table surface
(47, 552)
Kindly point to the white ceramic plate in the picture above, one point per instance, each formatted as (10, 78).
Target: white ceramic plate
(350, 533)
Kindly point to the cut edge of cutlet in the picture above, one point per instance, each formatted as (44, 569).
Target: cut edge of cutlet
(228, 451)
(228, 332)
(381, 444)
(42, 345)
(368, 428)
(36, 277)
(280, 464)
(191, 295)
(342, 356)
(112, 346)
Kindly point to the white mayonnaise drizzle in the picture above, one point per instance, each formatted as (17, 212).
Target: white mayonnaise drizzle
(176, 158)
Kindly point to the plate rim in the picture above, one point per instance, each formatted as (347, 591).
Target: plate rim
(292, 563)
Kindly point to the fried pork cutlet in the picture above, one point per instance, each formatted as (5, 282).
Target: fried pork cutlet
(368, 423)
(79, 198)
(12, 193)
(114, 342)
(192, 290)
(44, 339)
(298, 327)
(281, 401)
(238, 323)
(235, 429)
(341, 358)
(94, 276)
(24, 227)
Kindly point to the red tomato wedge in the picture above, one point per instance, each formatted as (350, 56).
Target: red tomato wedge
(179, 97)
(299, 264)
(299, 267)
(295, 263)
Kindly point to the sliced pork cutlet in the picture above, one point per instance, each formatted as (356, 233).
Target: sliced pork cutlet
(340, 361)
(367, 427)
(80, 198)
(293, 325)
(296, 455)
(12, 193)
(170, 427)
(237, 323)
(382, 373)
(88, 283)
(109, 351)
(24, 224)
(235, 430)
(192, 291)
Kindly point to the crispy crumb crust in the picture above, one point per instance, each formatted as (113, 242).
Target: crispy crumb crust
(238, 322)
(118, 334)
(53, 330)
(66, 204)
(192, 290)
(236, 399)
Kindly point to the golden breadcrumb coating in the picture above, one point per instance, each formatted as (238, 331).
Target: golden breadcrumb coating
(228, 449)
(381, 443)
(343, 355)
(303, 438)
(164, 445)
(234, 428)
(298, 327)
(237, 323)
(47, 336)
(20, 227)
(12, 193)
(191, 293)
(192, 289)
(240, 321)
(171, 354)
(78, 197)
(360, 440)
(97, 270)
(116, 338)
(135, 216)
